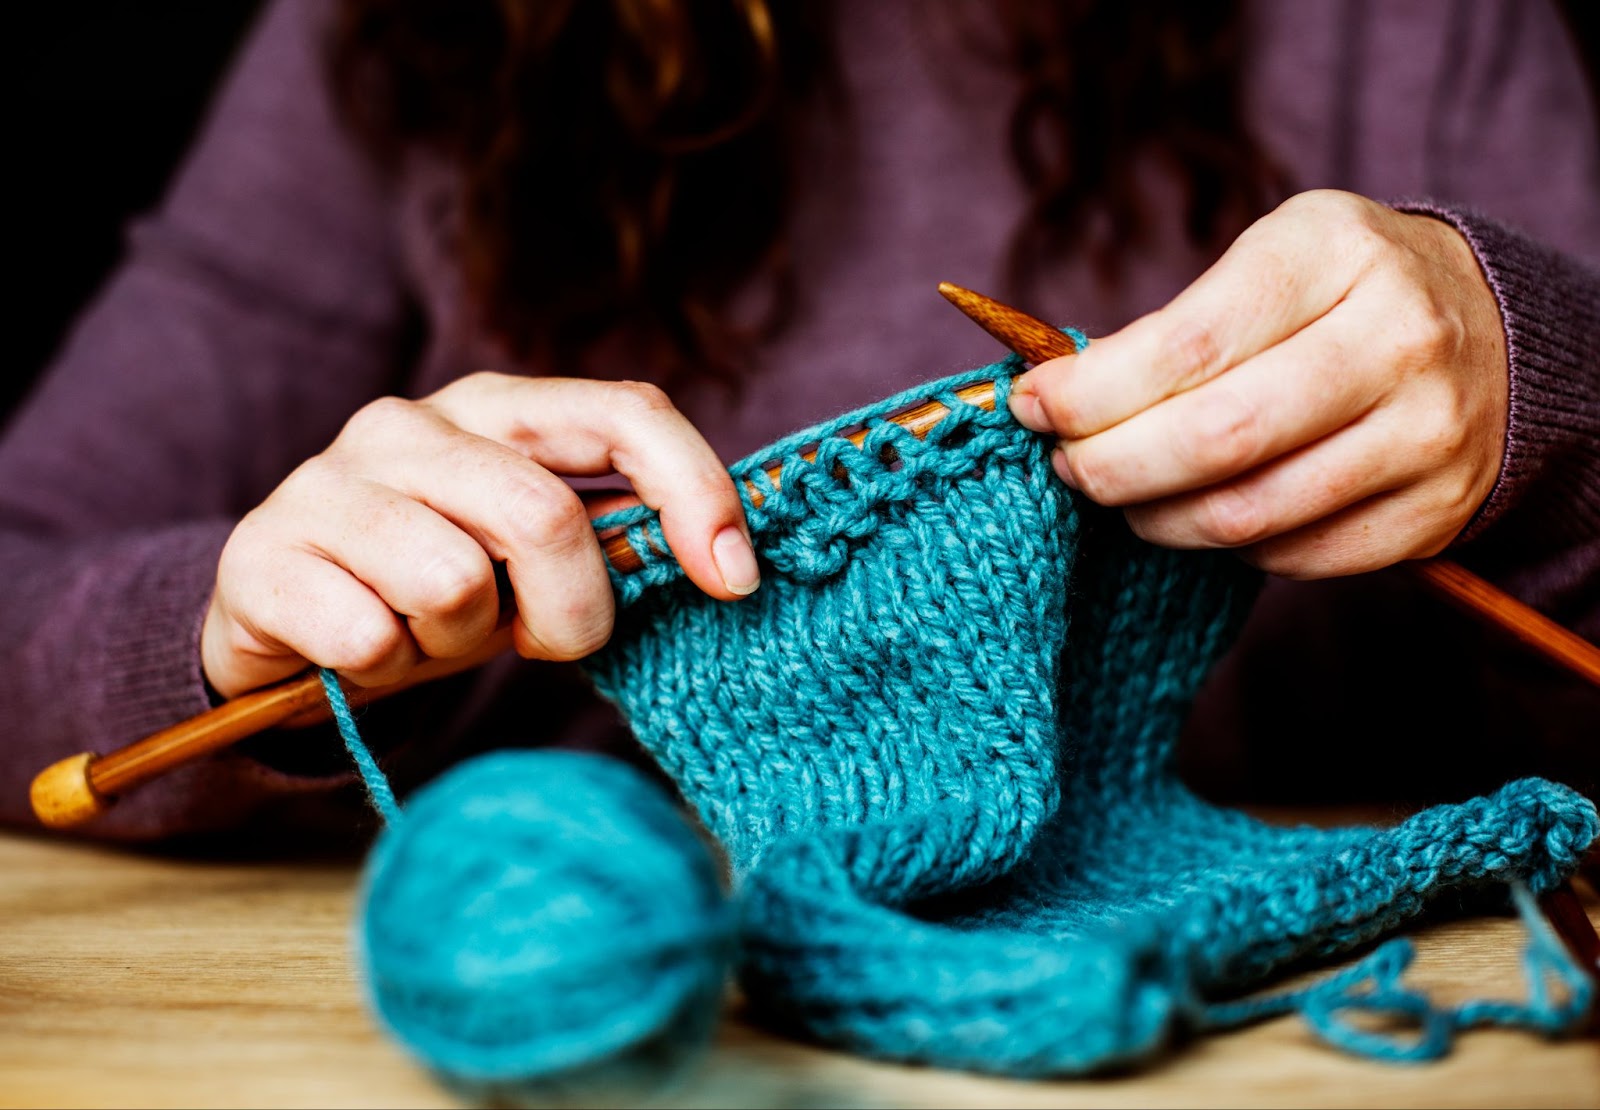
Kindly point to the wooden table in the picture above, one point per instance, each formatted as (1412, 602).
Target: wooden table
(134, 980)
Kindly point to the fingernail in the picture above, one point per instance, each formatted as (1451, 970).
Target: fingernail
(736, 561)
(1058, 461)
(1028, 411)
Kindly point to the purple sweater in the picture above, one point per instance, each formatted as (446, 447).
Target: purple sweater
(273, 293)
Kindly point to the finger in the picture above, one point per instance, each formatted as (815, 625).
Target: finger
(325, 615)
(424, 567)
(574, 426)
(1289, 395)
(1377, 532)
(1305, 486)
(603, 502)
(1286, 271)
(516, 512)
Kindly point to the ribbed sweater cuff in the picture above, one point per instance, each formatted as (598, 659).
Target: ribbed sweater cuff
(151, 657)
(140, 672)
(1550, 306)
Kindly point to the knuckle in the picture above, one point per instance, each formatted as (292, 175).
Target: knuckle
(1326, 208)
(715, 490)
(1460, 498)
(477, 383)
(1328, 202)
(247, 537)
(1337, 484)
(1146, 523)
(1431, 543)
(642, 398)
(242, 637)
(1422, 336)
(1225, 435)
(480, 380)
(1281, 561)
(545, 515)
(310, 479)
(1190, 351)
(1299, 559)
(1365, 248)
(1310, 201)
(254, 549)
(585, 639)
(365, 644)
(380, 419)
(1230, 518)
(1353, 220)
(581, 631)
(1367, 244)
(451, 584)
(1441, 435)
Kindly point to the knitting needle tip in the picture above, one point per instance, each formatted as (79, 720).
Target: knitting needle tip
(1029, 336)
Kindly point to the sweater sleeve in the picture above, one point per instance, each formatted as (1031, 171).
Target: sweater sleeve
(1539, 530)
(1511, 158)
(253, 312)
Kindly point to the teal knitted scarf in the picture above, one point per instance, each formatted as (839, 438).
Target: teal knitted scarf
(937, 747)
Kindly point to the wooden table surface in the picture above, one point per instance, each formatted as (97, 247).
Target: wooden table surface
(128, 979)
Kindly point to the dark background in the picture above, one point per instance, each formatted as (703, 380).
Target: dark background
(106, 96)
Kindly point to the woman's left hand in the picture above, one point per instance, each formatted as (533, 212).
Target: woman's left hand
(1329, 398)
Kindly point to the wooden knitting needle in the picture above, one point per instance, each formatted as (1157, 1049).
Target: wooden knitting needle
(917, 420)
(1037, 342)
(79, 788)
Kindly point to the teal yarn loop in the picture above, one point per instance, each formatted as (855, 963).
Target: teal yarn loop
(538, 922)
(1373, 985)
(833, 504)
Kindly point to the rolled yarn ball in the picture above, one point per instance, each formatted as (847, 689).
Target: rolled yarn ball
(537, 919)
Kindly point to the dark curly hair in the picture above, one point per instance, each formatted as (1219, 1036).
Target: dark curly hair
(627, 164)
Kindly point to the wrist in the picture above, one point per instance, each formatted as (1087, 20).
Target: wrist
(1549, 305)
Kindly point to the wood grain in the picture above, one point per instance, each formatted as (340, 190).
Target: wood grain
(128, 980)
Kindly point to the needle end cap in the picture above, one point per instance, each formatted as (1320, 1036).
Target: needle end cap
(62, 796)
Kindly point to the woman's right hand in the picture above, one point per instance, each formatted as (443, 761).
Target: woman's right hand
(380, 552)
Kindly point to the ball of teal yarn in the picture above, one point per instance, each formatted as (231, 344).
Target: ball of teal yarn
(544, 919)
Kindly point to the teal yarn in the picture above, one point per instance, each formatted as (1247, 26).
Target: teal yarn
(378, 790)
(541, 922)
(937, 746)
(1374, 985)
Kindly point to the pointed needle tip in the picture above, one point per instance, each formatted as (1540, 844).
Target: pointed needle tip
(954, 293)
(1030, 337)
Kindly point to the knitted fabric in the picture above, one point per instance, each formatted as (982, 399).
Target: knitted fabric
(937, 745)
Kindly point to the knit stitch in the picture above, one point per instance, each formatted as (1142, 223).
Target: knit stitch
(955, 828)
(954, 818)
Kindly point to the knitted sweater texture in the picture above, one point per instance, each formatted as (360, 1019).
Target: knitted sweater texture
(937, 745)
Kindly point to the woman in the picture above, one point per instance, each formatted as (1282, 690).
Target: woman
(211, 489)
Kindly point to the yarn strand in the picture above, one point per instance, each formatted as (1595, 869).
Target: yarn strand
(1374, 985)
(377, 784)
